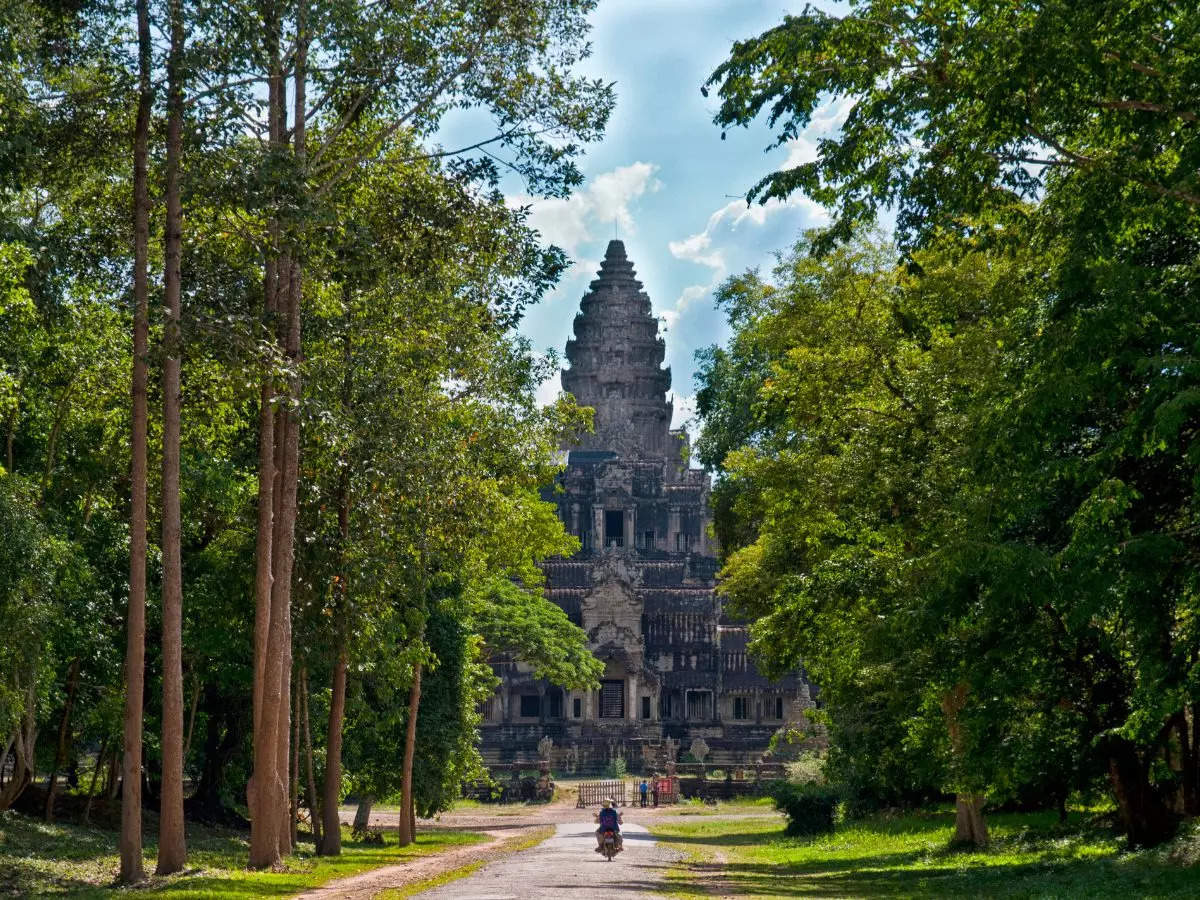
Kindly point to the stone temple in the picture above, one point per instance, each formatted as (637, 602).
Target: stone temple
(642, 586)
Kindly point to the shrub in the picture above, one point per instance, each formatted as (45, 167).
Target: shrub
(617, 768)
(810, 808)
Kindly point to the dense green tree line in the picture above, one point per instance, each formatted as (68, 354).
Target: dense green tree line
(271, 453)
(960, 467)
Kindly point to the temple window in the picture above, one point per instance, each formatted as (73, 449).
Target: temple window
(645, 707)
(556, 706)
(779, 707)
(741, 707)
(699, 705)
(577, 708)
(531, 706)
(614, 528)
(612, 699)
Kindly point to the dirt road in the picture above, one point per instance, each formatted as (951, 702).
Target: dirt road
(567, 865)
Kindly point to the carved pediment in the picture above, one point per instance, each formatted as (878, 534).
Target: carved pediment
(611, 611)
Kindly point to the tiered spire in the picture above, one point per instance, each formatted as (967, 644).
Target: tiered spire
(616, 362)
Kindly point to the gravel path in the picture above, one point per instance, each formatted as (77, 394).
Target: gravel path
(567, 865)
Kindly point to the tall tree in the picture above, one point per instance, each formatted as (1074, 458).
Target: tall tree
(135, 651)
(172, 850)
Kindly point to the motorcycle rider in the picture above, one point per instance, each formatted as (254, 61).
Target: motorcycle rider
(610, 820)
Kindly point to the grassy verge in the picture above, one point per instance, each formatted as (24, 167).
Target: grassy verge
(68, 861)
(512, 845)
(908, 856)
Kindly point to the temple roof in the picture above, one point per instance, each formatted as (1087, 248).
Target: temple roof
(616, 360)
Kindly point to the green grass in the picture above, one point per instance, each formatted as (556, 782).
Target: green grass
(909, 856)
(68, 861)
(737, 806)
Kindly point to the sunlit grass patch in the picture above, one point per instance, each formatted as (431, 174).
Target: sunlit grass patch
(68, 861)
(1030, 855)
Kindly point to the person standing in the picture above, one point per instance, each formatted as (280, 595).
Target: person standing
(643, 789)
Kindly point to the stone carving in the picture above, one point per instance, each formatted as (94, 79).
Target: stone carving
(699, 750)
(545, 745)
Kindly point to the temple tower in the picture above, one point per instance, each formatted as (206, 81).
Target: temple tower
(616, 361)
(642, 586)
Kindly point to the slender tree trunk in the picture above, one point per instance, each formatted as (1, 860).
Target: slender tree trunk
(4, 757)
(295, 767)
(314, 812)
(64, 730)
(362, 815)
(135, 638)
(24, 746)
(91, 794)
(172, 847)
(405, 836)
(265, 793)
(111, 780)
(283, 547)
(187, 743)
(331, 838)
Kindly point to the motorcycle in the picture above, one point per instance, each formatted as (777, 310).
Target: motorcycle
(610, 846)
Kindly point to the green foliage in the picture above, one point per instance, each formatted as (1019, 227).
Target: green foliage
(959, 481)
(523, 623)
(955, 110)
(810, 808)
(617, 768)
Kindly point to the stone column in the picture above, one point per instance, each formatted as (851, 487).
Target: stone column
(634, 700)
(629, 529)
(598, 527)
(672, 528)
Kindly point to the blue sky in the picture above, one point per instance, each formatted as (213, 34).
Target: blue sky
(663, 175)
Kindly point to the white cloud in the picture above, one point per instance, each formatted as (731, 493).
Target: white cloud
(687, 297)
(591, 211)
(694, 249)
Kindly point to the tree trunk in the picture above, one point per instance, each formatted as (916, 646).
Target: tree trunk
(172, 847)
(405, 836)
(4, 757)
(191, 729)
(64, 729)
(91, 794)
(294, 783)
(331, 839)
(362, 815)
(111, 780)
(969, 826)
(24, 745)
(135, 638)
(314, 812)
(1146, 818)
(265, 790)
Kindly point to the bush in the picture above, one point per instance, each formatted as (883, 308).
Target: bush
(810, 808)
(617, 768)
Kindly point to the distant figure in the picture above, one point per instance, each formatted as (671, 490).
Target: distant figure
(654, 788)
(643, 789)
